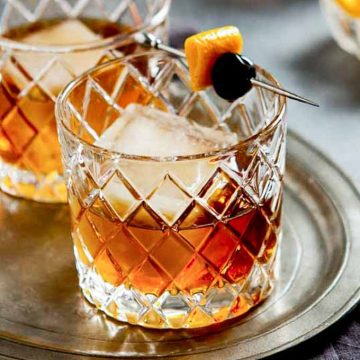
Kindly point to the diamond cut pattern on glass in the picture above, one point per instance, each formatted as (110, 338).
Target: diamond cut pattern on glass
(196, 236)
(103, 219)
(219, 191)
(120, 195)
(216, 300)
(37, 107)
(107, 266)
(131, 12)
(239, 224)
(219, 246)
(130, 302)
(82, 255)
(15, 76)
(89, 237)
(133, 172)
(241, 264)
(242, 205)
(203, 236)
(99, 107)
(145, 217)
(176, 310)
(259, 178)
(148, 238)
(6, 102)
(238, 119)
(18, 130)
(256, 286)
(56, 69)
(256, 233)
(197, 276)
(126, 250)
(130, 90)
(85, 187)
(149, 278)
(192, 176)
(172, 244)
(169, 200)
(99, 290)
(199, 108)
(199, 316)
(178, 93)
(195, 216)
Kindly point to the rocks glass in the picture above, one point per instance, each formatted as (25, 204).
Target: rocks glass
(172, 242)
(44, 45)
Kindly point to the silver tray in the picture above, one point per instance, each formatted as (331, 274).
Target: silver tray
(43, 315)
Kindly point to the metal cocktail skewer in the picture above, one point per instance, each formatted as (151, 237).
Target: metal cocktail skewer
(151, 41)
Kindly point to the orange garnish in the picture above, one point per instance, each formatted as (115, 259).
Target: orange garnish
(204, 48)
(351, 7)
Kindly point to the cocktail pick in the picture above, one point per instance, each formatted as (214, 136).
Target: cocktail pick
(228, 67)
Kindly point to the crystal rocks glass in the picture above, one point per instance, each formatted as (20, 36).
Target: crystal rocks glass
(33, 75)
(345, 28)
(172, 242)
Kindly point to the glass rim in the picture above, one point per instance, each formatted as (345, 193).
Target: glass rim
(60, 116)
(107, 43)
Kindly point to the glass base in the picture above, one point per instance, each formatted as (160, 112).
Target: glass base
(180, 310)
(24, 184)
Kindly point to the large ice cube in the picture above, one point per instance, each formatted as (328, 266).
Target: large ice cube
(67, 32)
(151, 132)
(147, 131)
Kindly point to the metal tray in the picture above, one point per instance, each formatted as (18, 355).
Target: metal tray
(43, 315)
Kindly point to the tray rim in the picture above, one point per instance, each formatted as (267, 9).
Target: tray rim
(231, 350)
(354, 298)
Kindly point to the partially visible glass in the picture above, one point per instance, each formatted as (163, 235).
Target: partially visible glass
(172, 242)
(344, 27)
(34, 69)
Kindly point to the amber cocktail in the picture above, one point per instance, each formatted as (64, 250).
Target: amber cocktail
(175, 196)
(43, 47)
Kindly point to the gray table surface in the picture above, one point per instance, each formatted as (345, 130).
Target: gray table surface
(291, 39)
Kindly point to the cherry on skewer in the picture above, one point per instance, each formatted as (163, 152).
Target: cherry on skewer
(233, 75)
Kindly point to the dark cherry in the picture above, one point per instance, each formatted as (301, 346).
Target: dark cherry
(231, 76)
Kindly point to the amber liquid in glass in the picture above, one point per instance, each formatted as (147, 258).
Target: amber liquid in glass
(28, 135)
(131, 250)
(196, 254)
